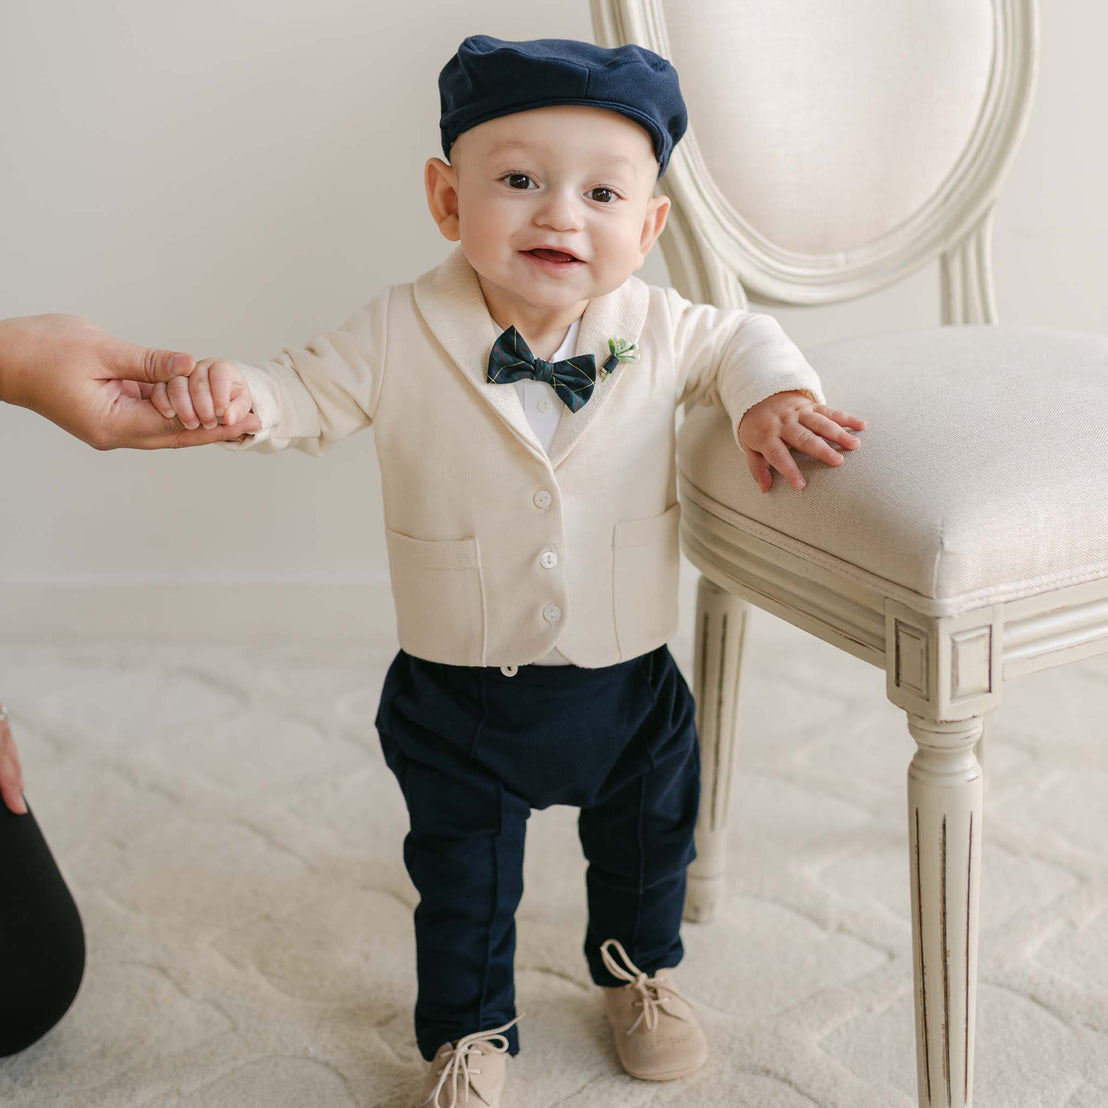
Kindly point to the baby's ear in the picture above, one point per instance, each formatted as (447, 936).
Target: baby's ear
(441, 182)
(657, 211)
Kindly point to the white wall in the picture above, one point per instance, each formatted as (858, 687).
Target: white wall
(228, 176)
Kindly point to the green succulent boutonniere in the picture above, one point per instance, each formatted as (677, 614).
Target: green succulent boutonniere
(620, 351)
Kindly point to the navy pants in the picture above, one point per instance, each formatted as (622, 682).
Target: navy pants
(474, 750)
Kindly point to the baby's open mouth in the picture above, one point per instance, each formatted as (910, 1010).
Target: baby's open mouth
(551, 255)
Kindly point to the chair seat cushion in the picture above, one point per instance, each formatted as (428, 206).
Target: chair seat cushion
(982, 473)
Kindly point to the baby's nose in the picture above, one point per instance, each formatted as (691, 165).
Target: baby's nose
(559, 212)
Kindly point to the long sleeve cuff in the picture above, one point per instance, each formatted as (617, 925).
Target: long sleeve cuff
(263, 403)
(755, 393)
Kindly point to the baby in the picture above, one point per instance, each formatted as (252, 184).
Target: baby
(522, 396)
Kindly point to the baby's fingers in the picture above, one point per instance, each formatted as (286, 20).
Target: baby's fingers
(829, 429)
(759, 469)
(226, 383)
(159, 397)
(200, 391)
(776, 453)
(177, 389)
(812, 444)
(841, 417)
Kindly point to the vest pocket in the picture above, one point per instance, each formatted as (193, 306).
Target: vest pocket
(646, 563)
(439, 595)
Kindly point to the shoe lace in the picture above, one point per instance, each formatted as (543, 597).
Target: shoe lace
(652, 992)
(458, 1066)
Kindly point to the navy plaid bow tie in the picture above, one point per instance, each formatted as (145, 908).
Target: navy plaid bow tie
(572, 379)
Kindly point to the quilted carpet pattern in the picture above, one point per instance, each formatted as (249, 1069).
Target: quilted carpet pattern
(226, 822)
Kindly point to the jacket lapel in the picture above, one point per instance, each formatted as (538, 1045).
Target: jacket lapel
(449, 298)
(618, 314)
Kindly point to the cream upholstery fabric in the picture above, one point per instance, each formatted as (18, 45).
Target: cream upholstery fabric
(784, 110)
(955, 494)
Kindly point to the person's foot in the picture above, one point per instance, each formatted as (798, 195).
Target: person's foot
(467, 1073)
(657, 1035)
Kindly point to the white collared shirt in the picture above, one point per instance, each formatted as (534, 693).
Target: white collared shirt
(541, 404)
(543, 408)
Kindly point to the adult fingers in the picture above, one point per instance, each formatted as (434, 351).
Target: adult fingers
(133, 362)
(147, 428)
(12, 795)
(11, 773)
(11, 788)
(169, 434)
(203, 436)
(9, 755)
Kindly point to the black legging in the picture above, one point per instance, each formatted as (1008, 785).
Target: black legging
(42, 942)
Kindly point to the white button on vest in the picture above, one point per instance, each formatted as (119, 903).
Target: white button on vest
(548, 559)
(552, 613)
(509, 671)
(541, 499)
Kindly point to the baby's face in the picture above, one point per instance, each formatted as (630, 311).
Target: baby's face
(570, 178)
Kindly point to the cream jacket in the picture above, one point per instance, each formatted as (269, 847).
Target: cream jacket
(497, 551)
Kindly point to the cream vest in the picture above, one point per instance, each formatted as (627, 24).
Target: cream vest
(497, 551)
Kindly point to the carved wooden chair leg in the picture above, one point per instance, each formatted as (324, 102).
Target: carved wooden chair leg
(717, 658)
(944, 846)
(983, 742)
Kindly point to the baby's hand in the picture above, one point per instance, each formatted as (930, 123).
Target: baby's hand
(215, 392)
(793, 418)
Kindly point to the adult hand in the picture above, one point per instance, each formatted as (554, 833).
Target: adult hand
(11, 776)
(95, 386)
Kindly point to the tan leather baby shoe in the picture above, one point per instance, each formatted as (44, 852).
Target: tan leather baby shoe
(469, 1072)
(657, 1036)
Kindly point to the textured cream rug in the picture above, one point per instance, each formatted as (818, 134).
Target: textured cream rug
(225, 819)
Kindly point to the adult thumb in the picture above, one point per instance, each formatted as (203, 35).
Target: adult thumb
(131, 362)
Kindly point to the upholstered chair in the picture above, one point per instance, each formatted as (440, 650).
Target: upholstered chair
(832, 150)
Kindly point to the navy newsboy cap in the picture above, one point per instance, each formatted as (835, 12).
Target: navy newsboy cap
(489, 77)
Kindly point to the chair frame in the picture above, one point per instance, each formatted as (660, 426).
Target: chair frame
(713, 254)
(944, 669)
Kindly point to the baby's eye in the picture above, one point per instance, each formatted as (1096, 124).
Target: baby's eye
(611, 196)
(510, 177)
